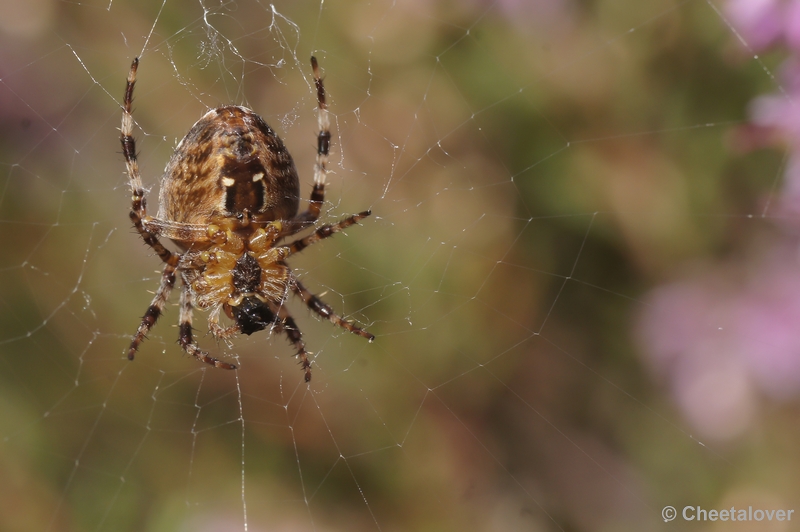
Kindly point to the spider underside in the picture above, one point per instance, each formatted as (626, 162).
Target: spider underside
(229, 195)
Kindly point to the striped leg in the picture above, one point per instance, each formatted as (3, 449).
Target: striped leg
(138, 213)
(156, 306)
(320, 307)
(321, 166)
(187, 341)
(286, 324)
(139, 202)
(324, 232)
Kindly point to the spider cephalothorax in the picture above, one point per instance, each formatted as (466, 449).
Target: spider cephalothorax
(229, 195)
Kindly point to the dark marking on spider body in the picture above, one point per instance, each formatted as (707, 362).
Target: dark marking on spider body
(252, 314)
(246, 274)
(229, 195)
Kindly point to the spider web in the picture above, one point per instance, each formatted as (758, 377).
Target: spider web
(534, 170)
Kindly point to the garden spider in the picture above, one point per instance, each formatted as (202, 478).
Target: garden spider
(229, 194)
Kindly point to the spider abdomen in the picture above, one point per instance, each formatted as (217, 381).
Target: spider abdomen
(230, 162)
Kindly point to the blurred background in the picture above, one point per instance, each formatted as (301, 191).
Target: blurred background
(581, 268)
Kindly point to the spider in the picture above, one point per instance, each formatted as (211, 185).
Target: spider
(229, 196)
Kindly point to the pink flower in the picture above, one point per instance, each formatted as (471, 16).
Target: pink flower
(724, 338)
(791, 22)
(777, 120)
(757, 21)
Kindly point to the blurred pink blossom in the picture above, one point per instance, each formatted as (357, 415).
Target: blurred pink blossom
(534, 17)
(777, 119)
(791, 26)
(790, 196)
(728, 336)
(757, 21)
(725, 338)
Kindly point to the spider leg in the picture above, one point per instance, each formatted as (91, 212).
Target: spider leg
(139, 202)
(323, 309)
(286, 324)
(321, 165)
(220, 332)
(156, 306)
(187, 341)
(324, 232)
